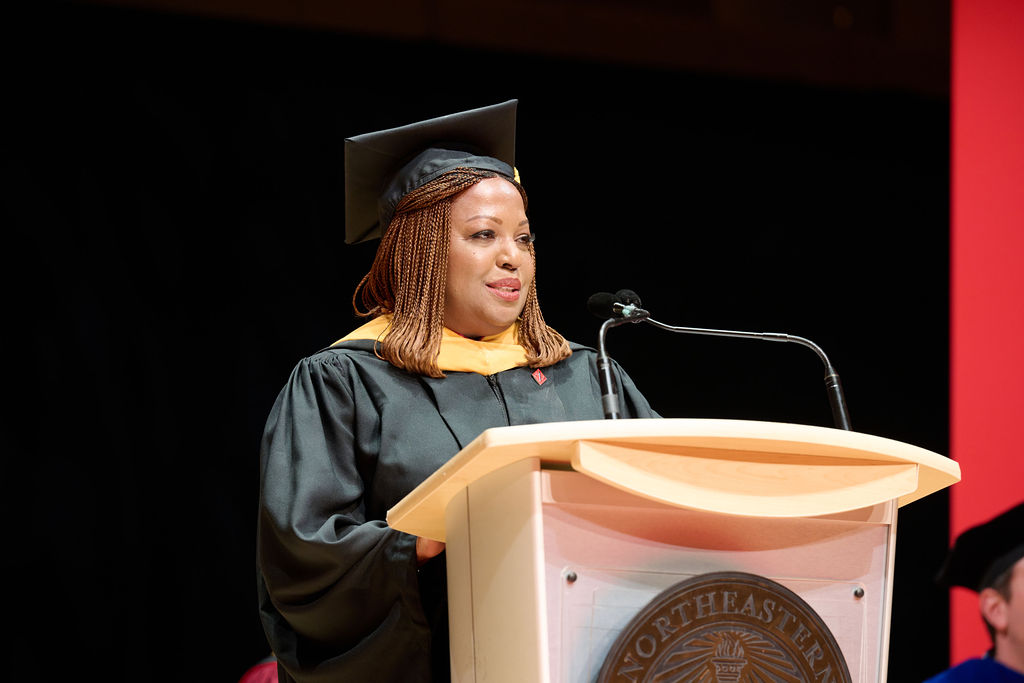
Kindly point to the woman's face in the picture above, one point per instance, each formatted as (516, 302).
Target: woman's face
(490, 268)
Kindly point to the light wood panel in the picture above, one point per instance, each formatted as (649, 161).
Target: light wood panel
(733, 466)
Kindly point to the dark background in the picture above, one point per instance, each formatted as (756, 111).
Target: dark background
(173, 244)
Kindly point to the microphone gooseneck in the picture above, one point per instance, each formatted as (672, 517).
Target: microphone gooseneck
(623, 310)
(615, 311)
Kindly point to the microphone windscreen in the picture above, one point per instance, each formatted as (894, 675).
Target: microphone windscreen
(627, 297)
(600, 304)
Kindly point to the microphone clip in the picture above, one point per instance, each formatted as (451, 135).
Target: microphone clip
(630, 311)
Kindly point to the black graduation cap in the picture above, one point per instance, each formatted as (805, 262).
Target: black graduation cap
(985, 551)
(382, 167)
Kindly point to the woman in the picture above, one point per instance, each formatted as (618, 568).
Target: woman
(456, 344)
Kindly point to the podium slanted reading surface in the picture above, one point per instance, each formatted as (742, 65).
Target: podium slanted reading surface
(558, 535)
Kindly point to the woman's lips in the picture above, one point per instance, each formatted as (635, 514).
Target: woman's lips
(506, 288)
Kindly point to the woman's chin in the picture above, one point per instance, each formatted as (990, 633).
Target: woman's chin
(481, 328)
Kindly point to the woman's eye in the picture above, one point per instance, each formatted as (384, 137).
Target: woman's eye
(483, 235)
(525, 240)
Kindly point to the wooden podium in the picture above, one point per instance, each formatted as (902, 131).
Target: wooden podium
(558, 534)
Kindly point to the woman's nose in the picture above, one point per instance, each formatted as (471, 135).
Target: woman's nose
(510, 254)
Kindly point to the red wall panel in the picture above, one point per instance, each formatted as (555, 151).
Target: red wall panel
(987, 278)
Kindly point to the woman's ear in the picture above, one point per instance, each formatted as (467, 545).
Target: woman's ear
(994, 608)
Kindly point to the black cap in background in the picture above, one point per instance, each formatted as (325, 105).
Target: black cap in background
(985, 551)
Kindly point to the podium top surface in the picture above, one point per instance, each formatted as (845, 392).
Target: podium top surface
(738, 467)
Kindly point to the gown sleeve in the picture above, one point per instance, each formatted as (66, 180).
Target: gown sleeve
(339, 594)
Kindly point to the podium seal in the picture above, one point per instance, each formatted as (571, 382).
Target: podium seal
(725, 626)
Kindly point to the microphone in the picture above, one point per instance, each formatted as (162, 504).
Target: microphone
(624, 307)
(616, 309)
(623, 304)
(628, 296)
(600, 304)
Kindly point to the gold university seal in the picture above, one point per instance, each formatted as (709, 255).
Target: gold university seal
(725, 626)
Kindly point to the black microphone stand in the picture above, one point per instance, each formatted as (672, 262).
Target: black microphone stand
(609, 394)
(632, 314)
(840, 415)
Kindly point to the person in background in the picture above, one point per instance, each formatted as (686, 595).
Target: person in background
(989, 559)
(455, 343)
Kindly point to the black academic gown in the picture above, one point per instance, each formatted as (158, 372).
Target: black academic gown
(341, 597)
